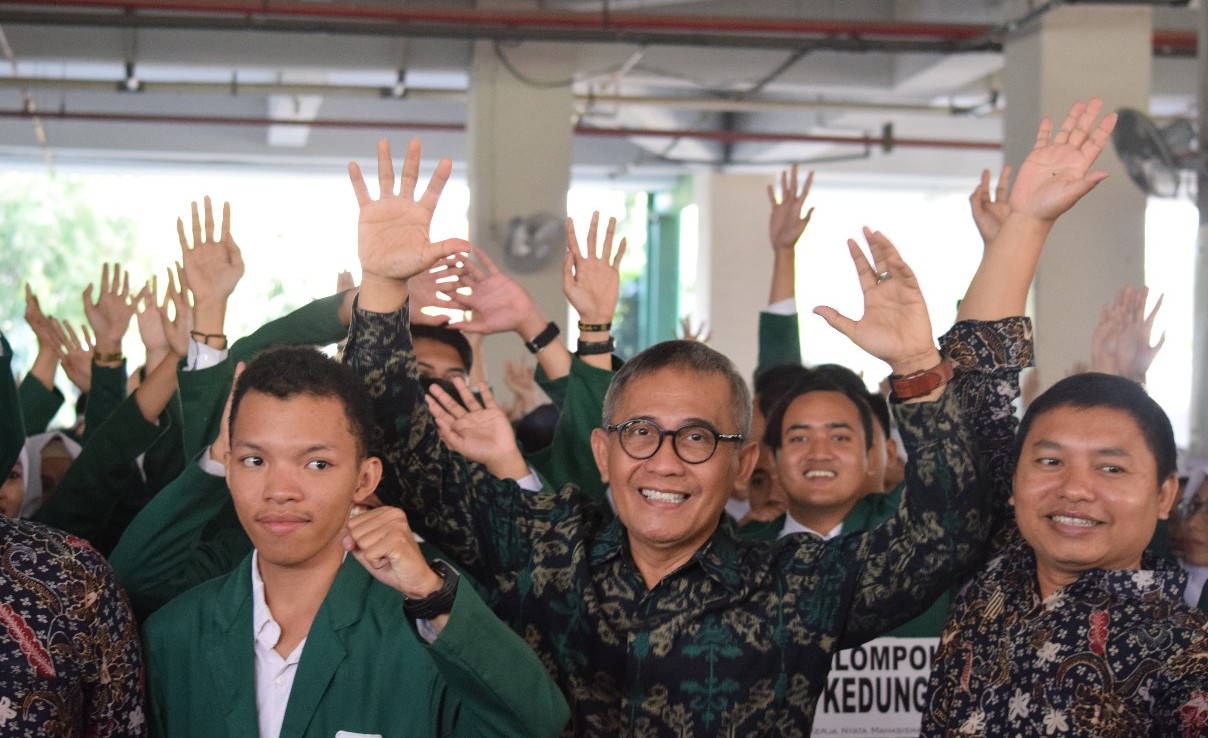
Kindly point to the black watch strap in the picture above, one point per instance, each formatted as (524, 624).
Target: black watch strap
(589, 348)
(542, 339)
(439, 602)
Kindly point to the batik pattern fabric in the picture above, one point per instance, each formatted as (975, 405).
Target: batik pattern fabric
(1115, 654)
(737, 641)
(70, 659)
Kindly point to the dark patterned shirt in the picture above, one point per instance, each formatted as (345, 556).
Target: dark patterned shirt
(738, 641)
(1116, 654)
(70, 659)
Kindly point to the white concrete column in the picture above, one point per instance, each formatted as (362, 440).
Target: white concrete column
(1075, 53)
(735, 262)
(520, 138)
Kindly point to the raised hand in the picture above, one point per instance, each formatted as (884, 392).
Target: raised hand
(393, 240)
(212, 266)
(479, 431)
(1057, 173)
(990, 212)
(498, 302)
(1121, 342)
(110, 315)
(895, 327)
(47, 360)
(177, 327)
(150, 329)
(786, 223)
(220, 450)
(592, 282)
(432, 287)
(75, 353)
(520, 378)
(700, 335)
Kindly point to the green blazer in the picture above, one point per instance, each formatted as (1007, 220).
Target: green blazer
(869, 512)
(364, 669)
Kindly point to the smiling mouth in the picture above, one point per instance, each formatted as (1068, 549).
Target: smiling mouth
(655, 495)
(1075, 522)
(820, 474)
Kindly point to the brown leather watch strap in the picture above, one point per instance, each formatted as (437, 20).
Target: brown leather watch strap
(922, 382)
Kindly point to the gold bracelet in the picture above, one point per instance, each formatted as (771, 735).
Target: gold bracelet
(103, 358)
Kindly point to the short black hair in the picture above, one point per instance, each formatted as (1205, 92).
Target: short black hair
(773, 382)
(815, 382)
(1094, 389)
(845, 377)
(690, 356)
(448, 336)
(290, 371)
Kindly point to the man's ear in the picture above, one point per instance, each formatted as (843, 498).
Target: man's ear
(599, 450)
(748, 457)
(1168, 491)
(368, 478)
(891, 448)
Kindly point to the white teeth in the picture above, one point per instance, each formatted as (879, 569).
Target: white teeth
(1067, 520)
(819, 473)
(655, 495)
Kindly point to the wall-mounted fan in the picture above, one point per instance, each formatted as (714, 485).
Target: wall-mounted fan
(531, 241)
(1156, 157)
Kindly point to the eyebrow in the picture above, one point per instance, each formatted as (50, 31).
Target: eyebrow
(1047, 445)
(251, 446)
(808, 426)
(686, 422)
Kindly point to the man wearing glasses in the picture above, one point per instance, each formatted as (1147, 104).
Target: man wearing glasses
(655, 620)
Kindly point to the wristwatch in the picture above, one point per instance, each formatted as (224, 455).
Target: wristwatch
(921, 382)
(542, 339)
(439, 602)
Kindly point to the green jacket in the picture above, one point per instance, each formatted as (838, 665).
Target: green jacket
(12, 426)
(364, 669)
(779, 341)
(868, 513)
(579, 397)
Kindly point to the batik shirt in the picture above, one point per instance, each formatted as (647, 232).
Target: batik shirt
(737, 641)
(70, 659)
(1116, 654)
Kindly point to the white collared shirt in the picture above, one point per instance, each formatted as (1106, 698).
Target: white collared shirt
(274, 674)
(792, 526)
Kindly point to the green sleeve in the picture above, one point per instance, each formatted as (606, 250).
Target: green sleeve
(101, 476)
(316, 324)
(38, 404)
(503, 688)
(203, 392)
(166, 459)
(164, 550)
(12, 432)
(779, 341)
(107, 393)
(568, 459)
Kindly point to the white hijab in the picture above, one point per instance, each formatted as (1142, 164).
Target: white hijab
(33, 467)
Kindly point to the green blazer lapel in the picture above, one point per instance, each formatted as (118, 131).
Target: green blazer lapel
(1203, 605)
(230, 650)
(325, 647)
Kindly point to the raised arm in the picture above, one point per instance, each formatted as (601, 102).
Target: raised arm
(591, 282)
(1055, 176)
(1121, 342)
(37, 394)
(786, 224)
(212, 268)
(938, 530)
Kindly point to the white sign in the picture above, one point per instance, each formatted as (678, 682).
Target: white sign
(877, 689)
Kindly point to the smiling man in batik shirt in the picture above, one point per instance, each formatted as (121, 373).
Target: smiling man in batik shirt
(657, 621)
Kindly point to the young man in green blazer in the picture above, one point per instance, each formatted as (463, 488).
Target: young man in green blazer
(304, 639)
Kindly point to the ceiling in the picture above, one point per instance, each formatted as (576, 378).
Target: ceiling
(662, 86)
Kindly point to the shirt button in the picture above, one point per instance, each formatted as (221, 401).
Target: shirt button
(280, 681)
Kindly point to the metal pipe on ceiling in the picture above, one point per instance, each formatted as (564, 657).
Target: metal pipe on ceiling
(580, 130)
(713, 104)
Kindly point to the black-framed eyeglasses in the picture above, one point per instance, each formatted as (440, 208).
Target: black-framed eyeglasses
(693, 443)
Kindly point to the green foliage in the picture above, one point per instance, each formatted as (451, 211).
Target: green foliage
(53, 237)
